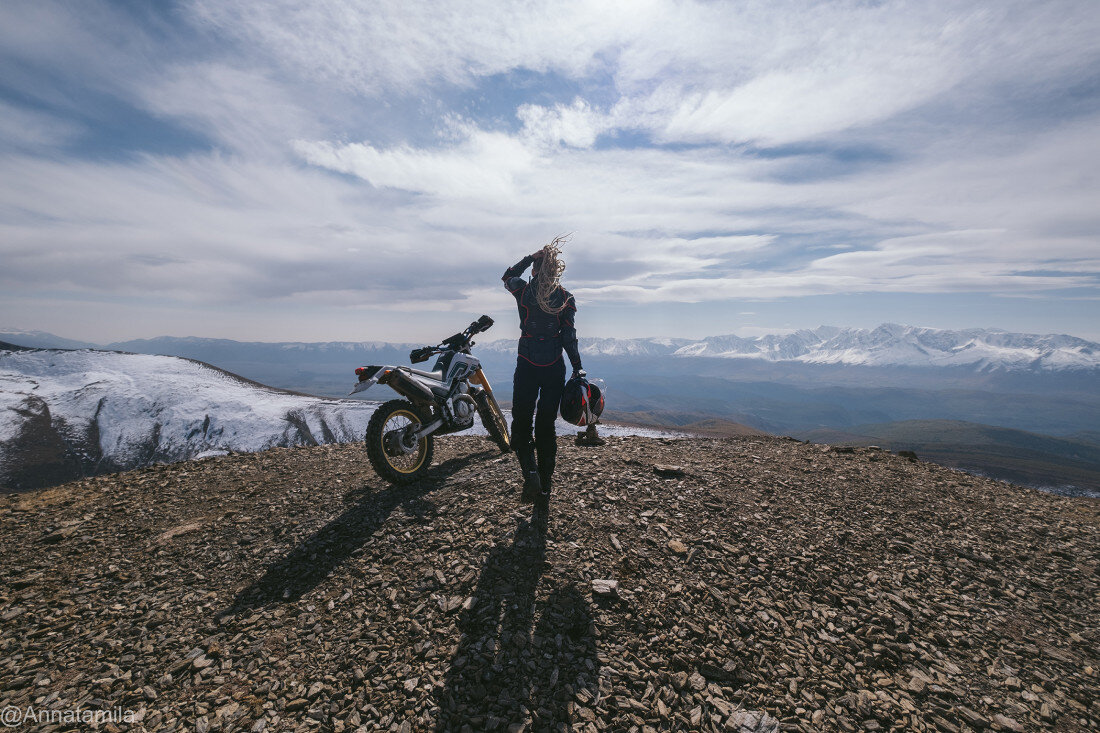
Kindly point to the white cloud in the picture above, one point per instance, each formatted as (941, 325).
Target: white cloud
(1037, 188)
(22, 129)
(686, 71)
(782, 107)
(97, 48)
(244, 109)
(576, 125)
(974, 236)
(484, 165)
(292, 92)
(376, 46)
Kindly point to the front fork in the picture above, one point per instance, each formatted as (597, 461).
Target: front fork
(478, 377)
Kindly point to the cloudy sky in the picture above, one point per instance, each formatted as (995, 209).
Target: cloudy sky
(339, 170)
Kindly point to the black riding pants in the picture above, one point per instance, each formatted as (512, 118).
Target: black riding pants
(536, 392)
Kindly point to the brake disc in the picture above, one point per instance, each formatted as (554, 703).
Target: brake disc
(395, 444)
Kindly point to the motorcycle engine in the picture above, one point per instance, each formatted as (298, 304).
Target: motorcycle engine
(463, 407)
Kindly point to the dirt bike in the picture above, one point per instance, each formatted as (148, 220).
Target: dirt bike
(401, 433)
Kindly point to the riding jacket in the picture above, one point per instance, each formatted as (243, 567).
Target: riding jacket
(544, 334)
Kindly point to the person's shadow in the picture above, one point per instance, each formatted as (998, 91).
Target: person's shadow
(503, 672)
(307, 565)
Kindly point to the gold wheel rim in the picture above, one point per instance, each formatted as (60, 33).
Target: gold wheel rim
(396, 421)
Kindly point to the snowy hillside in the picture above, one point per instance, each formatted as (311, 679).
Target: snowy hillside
(65, 414)
(83, 412)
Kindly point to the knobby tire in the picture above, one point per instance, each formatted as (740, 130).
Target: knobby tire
(493, 420)
(383, 463)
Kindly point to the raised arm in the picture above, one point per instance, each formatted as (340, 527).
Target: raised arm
(512, 280)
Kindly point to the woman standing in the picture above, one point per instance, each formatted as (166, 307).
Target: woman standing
(546, 314)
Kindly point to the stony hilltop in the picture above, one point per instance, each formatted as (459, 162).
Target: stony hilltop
(747, 584)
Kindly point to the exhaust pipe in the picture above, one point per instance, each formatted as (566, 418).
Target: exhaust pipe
(405, 385)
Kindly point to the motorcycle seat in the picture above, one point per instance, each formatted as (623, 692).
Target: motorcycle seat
(437, 376)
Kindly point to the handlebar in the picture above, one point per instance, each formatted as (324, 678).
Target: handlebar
(458, 341)
(482, 324)
(422, 354)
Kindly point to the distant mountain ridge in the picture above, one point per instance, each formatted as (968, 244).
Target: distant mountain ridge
(41, 340)
(887, 345)
(979, 349)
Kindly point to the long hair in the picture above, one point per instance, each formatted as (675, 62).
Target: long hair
(549, 276)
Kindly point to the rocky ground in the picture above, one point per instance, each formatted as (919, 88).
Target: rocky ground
(746, 584)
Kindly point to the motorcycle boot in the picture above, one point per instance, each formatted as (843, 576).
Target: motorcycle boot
(529, 470)
(547, 462)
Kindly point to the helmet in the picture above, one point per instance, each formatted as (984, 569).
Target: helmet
(581, 399)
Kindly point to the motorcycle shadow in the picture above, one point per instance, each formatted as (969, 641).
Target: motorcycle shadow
(311, 562)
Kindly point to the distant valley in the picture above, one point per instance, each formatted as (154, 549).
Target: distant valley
(1067, 465)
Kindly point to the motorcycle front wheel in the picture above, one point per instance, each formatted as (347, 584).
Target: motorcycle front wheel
(391, 454)
(493, 420)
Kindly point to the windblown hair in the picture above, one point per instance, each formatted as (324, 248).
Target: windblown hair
(549, 278)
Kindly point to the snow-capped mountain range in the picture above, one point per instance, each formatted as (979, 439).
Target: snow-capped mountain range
(888, 345)
(67, 414)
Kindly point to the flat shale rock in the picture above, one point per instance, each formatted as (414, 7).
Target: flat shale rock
(750, 721)
(605, 587)
(760, 584)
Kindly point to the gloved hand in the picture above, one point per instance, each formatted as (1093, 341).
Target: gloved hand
(578, 373)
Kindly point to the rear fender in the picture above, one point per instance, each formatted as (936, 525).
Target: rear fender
(370, 376)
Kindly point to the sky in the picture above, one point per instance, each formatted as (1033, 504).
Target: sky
(316, 170)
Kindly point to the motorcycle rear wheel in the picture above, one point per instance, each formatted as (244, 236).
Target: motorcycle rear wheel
(493, 420)
(392, 465)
